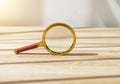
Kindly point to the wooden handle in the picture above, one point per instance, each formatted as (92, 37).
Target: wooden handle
(29, 47)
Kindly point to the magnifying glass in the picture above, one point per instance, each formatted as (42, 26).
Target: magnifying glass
(58, 39)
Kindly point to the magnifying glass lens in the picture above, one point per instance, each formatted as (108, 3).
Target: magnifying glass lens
(59, 39)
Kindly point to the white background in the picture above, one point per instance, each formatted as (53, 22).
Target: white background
(77, 13)
(83, 13)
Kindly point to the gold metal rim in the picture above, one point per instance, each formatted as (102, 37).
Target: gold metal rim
(53, 52)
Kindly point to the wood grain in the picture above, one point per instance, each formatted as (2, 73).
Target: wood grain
(95, 59)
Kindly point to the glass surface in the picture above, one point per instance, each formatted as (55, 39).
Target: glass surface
(59, 39)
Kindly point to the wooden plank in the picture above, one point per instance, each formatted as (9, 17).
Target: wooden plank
(36, 33)
(95, 59)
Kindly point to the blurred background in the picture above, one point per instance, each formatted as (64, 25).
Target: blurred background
(77, 13)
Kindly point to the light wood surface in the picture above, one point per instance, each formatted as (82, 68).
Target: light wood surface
(95, 59)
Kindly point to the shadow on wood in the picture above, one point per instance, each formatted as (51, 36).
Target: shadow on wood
(57, 61)
(62, 79)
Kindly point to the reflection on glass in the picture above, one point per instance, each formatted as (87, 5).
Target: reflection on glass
(59, 39)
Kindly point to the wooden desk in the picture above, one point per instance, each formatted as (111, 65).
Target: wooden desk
(95, 59)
